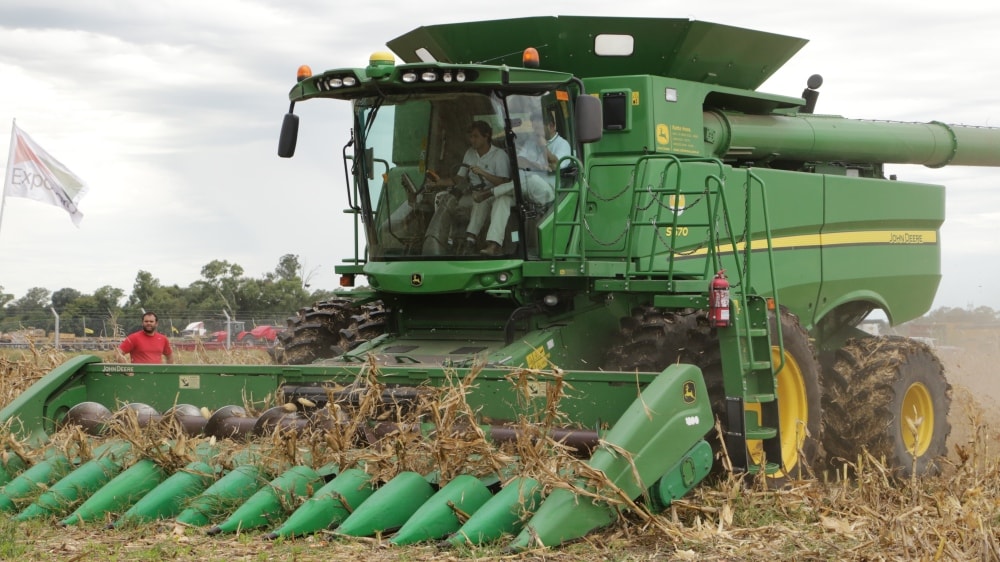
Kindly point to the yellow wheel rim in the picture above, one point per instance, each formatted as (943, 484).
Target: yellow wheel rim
(916, 420)
(793, 415)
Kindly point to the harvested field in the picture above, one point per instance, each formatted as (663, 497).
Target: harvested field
(976, 383)
(872, 517)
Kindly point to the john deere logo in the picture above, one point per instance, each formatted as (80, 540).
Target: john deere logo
(416, 280)
(662, 134)
(688, 392)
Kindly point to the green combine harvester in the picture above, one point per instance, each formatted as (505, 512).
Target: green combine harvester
(697, 251)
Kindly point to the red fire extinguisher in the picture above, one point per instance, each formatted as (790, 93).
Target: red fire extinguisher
(718, 301)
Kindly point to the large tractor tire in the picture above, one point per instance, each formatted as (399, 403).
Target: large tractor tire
(652, 339)
(328, 329)
(888, 395)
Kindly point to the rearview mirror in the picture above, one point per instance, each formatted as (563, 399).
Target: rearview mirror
(289, 135)
(589, 119)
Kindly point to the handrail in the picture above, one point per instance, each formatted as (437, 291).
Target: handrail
(576, 223)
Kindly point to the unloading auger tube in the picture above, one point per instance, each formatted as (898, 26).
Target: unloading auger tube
(824, 138)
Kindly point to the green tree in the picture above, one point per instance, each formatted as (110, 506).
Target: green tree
(83, 314)
(169, 303)
(64, 297)
(288, 268)
(32, 310)
(143, 290)
(64, 302)
(107, 302)
(221, 284)
(5, 297)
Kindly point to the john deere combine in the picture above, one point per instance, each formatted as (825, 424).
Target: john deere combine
(697, 250)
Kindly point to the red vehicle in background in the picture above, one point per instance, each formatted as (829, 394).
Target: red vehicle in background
(264, 335)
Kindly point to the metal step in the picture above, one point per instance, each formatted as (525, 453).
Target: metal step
(763, 366)
(760, 433)
(762, 398)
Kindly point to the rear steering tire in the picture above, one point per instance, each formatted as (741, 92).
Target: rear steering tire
(888, 395)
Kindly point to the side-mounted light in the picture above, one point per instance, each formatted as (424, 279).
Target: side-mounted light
(530, 58)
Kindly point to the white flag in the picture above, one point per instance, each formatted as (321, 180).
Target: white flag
(34, 174)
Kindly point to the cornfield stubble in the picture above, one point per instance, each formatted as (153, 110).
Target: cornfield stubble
(870, 516)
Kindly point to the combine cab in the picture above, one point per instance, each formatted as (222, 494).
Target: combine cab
(549, 331)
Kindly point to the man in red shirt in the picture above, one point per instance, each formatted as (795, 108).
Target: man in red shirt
(147, 345)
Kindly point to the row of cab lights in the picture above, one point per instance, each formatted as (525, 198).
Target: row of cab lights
(432, 76)
(410, 77)
(346, 81)
(328, 83)
(385, 61)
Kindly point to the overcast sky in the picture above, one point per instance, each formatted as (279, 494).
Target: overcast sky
(170, 112)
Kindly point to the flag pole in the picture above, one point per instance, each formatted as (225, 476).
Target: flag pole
(9, 172)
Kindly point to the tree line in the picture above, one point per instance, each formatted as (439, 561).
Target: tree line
(223, 289)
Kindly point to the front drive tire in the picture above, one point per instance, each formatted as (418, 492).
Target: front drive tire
(799, 409)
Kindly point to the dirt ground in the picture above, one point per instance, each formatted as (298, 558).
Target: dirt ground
(973, 374)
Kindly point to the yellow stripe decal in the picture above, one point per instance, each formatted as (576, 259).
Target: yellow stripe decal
(895, 237)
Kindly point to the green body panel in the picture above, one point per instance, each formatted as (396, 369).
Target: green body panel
(224, 495)
(439, 277)
(48, 400)
(389, 507)
(120, 493)
(653, 436)
(71, 490)
(438, 516)
(268, 506)
(167, 499)
(733, 56)
(682, 477)
(10, 468)
(503, 514)
(595, 397)
(329, 505)
(41, 475)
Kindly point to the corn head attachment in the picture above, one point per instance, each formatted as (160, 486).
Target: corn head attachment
(465, 456)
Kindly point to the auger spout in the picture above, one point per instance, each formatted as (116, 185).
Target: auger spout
(823, 138)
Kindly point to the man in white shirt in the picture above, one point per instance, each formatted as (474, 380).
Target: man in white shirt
(537, 160)
(484, 166)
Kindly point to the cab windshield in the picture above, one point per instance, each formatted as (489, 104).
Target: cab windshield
(459, 175)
